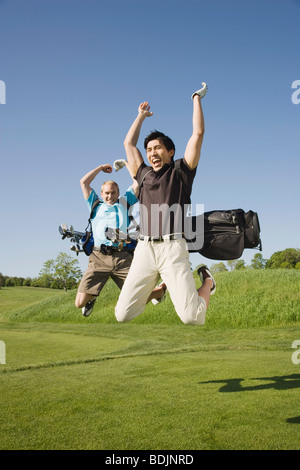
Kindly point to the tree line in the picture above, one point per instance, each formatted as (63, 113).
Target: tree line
(286, 259)
(64, 272)
(60, 273)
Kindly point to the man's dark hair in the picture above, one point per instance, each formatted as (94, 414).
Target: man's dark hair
(164, 139)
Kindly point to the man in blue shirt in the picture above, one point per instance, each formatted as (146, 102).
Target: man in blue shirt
(108, 259)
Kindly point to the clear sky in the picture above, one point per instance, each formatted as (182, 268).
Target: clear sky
(75, 72)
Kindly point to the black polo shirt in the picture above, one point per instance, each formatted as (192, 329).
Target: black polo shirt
(164, 199)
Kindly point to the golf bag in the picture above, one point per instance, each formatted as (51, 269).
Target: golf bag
(225, 233)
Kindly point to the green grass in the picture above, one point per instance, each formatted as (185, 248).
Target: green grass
(140, 387)
(14, 298)
(255, 298)
(154, 383)
(244, 299)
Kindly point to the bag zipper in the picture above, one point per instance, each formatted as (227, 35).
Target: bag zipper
(224, 218)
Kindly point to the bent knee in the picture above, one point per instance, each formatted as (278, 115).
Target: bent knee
(82, 299)
(126, 313)
(79, 304)
(121, 316)
(196, 315)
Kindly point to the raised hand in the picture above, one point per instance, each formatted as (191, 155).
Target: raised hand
(106, 168)
(144, 109)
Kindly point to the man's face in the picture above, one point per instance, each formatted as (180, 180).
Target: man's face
(158, 155)
(109, 193)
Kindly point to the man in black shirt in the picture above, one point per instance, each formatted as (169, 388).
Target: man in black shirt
(162, 250)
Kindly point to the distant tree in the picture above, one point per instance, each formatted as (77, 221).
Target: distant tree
(61, 273)
(46, 275)
(258, 262)
(18, 281)
(2, 280)
(240, 264)
(297, 266)
(27, 282)
(232, 264)
(287, 259)
(218, 268)
(36, 282)
(9, 282)
(67, 272)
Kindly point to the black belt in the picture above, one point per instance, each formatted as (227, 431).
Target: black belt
(172, 236)
(108, 250)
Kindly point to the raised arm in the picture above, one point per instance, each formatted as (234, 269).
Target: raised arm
(133, 154)
(90, 176)
(193, 148)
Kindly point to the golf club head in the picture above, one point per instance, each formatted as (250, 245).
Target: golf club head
(76, 248)
(110, 234)
(63, 229)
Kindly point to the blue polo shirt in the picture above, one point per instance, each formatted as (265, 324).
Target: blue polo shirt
(115, 216)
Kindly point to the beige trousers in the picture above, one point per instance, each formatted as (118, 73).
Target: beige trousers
(168, 260)
(101, 267)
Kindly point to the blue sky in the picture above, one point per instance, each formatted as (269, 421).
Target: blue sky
(75, 72)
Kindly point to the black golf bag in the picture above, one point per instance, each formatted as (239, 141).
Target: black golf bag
(224, 234)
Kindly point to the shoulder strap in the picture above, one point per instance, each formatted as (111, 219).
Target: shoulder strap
(95, 204)
(177, 166)
(144, 173)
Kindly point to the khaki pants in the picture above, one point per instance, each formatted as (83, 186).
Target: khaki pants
(101, 267)
(170, 261)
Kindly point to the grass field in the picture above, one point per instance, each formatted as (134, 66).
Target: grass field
(76, 383)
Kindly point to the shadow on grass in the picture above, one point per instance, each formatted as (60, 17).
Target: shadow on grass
(295, 420)
(285, 382)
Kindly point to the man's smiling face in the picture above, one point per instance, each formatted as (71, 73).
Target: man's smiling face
(110, 193)
(158, 155)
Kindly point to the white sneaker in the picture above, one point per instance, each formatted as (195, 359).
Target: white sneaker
(202, 92)
(205, 273)
(160, 299)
